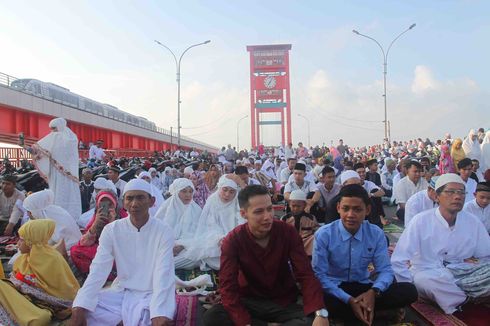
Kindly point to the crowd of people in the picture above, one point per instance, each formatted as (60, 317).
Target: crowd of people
(102, 243)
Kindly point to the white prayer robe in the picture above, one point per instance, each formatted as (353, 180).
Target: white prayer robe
(183, 219)
(417, 204)
(470, 188)
(483, 214)
(62, 145)
(217, 219)
(427, 243)
(145, 285)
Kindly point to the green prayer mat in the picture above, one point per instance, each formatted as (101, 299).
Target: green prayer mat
(392, 228)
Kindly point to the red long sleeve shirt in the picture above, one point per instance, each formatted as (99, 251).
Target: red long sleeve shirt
(248, 270)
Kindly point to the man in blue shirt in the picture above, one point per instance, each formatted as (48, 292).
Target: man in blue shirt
(342, 252)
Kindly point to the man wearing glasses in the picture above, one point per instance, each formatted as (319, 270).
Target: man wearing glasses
(440, 242)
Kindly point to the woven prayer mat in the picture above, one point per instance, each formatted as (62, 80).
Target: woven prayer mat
(186, 311)
(472, 315)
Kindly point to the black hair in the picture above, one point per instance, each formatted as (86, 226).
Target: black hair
(356, 191)
(464, 163)
(411, 163)
(9, 178)
(483, 186)
(349, 163)
(250, 191)
(241, 170)
(292, 159)
(328, 169)
(358, 166)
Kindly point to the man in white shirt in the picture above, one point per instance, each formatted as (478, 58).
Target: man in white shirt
(408, 186)
(421, 201)
(306, 186)
(465, 168)
(289, 151)
(10, 200)
(387, 177)
(142, 248)
(480, 206)
(242, 172)
(402, 172)
(113, 175)
(96, 151)
(285, 173)
(438, 238)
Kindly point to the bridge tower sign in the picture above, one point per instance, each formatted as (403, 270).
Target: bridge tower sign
(270, 89)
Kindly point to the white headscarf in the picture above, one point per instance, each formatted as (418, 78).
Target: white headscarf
(485, 153)
(183, 219)
(217, 219)
(472, 147)
(62, 146)
(41, 206)
(268, 169)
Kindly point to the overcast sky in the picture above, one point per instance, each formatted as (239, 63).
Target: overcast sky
(438, 73)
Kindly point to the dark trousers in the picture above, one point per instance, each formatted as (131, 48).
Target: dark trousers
(400, 213)
(398, 295)
(262, 312)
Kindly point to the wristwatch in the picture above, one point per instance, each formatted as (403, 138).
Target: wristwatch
(323, 313)
(377, 291)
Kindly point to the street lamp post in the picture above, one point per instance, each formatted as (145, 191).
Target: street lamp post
(308, 121)
(237, 133)
(177, 66)
(385, 70)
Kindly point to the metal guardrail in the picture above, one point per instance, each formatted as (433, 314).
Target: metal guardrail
(7, 81)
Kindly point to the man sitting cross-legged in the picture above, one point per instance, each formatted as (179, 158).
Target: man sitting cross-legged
(342, 252)
(142, 249)
(261, 262)
(437, 240)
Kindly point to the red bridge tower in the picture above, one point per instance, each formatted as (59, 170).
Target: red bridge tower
(269, 89)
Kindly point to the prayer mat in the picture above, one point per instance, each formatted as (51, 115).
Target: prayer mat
(472, 315)
(187, 275)
(186, 310)
(392, 228)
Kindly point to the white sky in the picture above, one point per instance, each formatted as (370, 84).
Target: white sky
(438, 77)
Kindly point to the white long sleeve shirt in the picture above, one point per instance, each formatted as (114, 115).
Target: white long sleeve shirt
(429, 241)
(417, 204)
(405, 188)
(144, 261)
(483, 214)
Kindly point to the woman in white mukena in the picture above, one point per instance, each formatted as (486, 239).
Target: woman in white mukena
(182, 214)
(220, 215)
(56, 158)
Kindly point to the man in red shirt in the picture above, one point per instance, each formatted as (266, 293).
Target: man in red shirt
(261, 262)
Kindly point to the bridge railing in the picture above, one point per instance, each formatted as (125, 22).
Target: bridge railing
(17, 155)
(6, 79)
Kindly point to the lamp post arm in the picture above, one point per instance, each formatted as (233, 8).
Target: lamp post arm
(396, 38)
(190, 47)
(172, 52)
(375, 41)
